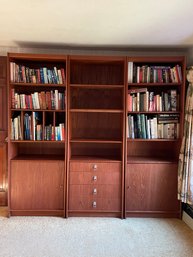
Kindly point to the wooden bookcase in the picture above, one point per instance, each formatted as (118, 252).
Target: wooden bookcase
(155, 114)
(99, 144)
(37, 123)
(96, 136)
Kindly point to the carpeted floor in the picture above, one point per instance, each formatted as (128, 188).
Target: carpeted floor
(94, 237)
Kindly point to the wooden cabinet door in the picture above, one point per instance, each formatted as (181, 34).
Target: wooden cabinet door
(152, 189)
(37, 185)
(3, 131)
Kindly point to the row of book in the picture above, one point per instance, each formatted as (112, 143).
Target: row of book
(49, 100)
(33, 129)
(21, 73)
(143, 100)
(162, 126)
(154, 74)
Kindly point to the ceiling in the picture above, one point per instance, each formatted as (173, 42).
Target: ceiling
(96, 23)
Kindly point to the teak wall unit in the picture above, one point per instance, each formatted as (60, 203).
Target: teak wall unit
(99, 168)
(37, 126)
(155, 114)
(96, 136)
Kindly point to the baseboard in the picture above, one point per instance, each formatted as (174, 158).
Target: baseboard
(187, 219)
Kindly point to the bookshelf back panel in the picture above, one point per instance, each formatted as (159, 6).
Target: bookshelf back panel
(96, 126)
(96, 150)
(47, 148)
(97, 73)
(85, 98)
(151, 149)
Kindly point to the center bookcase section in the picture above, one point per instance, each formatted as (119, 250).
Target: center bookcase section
(96, 135)
(96, 106)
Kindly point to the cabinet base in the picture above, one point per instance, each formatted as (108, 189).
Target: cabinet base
(94, 214)
(55, 213)
(140, 214)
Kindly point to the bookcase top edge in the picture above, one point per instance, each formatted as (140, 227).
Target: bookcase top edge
(37, 57)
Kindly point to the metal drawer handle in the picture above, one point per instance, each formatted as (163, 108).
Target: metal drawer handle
(94, 204)
(94, 191)
(95, 178)
(94, 166)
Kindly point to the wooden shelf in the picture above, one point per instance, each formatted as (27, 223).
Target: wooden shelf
(152, 140)
(37, 110)
(153, 112)
(96, 86)
(97, 110)
(148, 159)
(154, 84)
(91, 158)
(38, 141)
(39, 157)
(97, 141)
(13, 84)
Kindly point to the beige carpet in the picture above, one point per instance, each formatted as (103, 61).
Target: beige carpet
(94, 237)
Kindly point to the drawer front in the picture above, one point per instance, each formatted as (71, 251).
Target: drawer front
(95, 178)
(83, 203)
(94, 166)
(95, 186)
(98, 191)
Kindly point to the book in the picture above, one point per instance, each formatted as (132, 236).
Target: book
(130, 72)
(173, 97)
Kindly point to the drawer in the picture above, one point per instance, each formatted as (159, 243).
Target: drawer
(95, 178)
(94, 166)
(83, 203)
(98, 191)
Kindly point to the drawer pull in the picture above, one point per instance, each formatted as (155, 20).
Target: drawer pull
(94, 204)
(95, 178)
(94, 191)
(94, 166)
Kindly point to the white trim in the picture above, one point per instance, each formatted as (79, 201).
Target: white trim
(188, 220)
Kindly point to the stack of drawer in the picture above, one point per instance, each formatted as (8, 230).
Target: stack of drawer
(95, 186)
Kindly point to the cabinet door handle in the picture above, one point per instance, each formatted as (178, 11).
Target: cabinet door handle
(94, 191)
(95, 178)
(94, 167)
(94, 204)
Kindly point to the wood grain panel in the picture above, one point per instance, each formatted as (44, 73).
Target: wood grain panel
(95, 178)
(3, 94)
(87, 125)
(94, 166)
(37, 185)
(84, 98)
(3, 131)
(151, 187)
(87, 203)
(95, 191)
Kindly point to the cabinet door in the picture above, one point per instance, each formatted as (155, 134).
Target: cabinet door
(37, 185)
(152, 188)
(3, 131)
